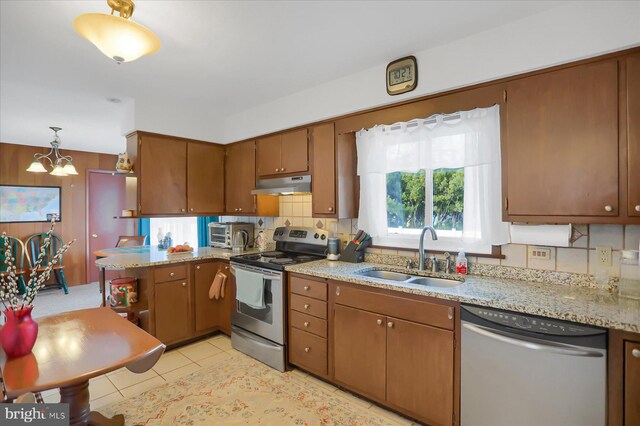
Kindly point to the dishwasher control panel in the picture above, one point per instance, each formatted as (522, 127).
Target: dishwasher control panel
(532, 323)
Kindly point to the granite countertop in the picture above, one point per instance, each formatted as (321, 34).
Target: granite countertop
(567, 302)
(145, 256)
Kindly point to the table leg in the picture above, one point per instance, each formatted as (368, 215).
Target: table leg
(77, 396)
(102, 286)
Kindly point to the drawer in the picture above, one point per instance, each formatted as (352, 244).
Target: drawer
(310, 306)
(420, 311)
(308, 351)
(170, 273)
(308, 287)
(308, 323)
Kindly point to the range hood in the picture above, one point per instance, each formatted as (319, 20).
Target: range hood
(284, 186)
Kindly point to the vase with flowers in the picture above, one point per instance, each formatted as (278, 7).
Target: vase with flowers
(19, 333)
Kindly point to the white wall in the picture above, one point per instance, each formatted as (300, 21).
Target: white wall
(575, 31)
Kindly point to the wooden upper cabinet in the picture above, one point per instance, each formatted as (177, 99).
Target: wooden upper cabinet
(360, 350)
(162, 175)
(323, 166)
(205, 178)
(283, 153)
(420, 370)
(562, 155)
(240, 178)
(633, 134)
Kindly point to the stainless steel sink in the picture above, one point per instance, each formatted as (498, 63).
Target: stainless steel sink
(435, 282)
(386, 275)
(411, 279)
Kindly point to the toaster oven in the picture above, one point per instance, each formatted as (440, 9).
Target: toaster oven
(220, 233)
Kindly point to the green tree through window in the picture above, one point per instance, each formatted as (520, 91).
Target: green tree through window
(407, 198)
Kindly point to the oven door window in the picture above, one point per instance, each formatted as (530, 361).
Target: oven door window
(264, 315)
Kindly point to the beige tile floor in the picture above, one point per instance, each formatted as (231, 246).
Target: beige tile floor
(121, 384)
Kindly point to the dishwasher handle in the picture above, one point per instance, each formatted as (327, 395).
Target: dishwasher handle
(531, 343)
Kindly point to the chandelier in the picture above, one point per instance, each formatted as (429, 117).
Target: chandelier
(54, 158)
(117, 36)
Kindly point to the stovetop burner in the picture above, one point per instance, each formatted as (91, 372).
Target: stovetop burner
(274, 259)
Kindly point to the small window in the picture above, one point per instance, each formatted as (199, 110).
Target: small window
(183, 229)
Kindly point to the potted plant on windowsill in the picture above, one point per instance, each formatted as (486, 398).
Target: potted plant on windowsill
(20, 331)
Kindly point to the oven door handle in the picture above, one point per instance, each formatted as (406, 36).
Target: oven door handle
(531, 343)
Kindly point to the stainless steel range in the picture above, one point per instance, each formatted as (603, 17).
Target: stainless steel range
(259, 317)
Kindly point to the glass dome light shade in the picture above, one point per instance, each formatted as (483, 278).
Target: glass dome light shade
(58, 170)
(120, 39)
(36, 167)
(70, 169)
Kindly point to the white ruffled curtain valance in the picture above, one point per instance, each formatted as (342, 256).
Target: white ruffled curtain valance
(467, 139)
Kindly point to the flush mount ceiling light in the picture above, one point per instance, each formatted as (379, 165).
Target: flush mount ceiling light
(55, 159)
(117, 36)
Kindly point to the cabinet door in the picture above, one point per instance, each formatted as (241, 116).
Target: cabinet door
(324, 173)
(633, 134)
(562, 142)
(294, 152)
(240, 178)
(163, 176)
(205, 183)
(631, 383)
(268, 161)
(420, 368)
(172, 311)
(360, 350)
(206, 310)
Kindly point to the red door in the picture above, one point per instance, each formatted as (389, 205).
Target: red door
(106, 199)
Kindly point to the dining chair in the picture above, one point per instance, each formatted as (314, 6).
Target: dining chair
(131, 240)
(19, 253)
(34, 245)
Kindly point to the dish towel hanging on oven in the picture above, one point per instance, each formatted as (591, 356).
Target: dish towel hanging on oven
(250, 288)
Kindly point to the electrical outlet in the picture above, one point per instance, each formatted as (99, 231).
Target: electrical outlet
(539, 253)
(603, 256)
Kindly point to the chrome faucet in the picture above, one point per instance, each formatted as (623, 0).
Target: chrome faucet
(434, 237)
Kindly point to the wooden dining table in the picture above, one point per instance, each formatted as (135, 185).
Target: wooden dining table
(74, 347)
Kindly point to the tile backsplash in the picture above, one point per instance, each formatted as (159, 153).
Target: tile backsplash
(295, 210)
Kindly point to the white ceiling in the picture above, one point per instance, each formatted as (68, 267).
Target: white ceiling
(217, 59)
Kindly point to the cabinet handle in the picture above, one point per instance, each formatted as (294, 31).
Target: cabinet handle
(191, 209)
(390, 324)
(638, 208)
(172, 274)
(184, 284)
(450, 314)
(277, 170)
(307, 349)
(182, 210)
(379, 322)
(306, 288)
(306, 306)
(226, 267)
(608, 208)
(306, 323)
(330, 209)
(337, 290)
(636, 353)
(282, 169)
(235, 210)
(240, 209)
(198, 267)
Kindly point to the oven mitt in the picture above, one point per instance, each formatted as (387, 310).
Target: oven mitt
(216, 291)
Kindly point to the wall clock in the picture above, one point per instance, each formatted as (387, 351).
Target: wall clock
(402, 75)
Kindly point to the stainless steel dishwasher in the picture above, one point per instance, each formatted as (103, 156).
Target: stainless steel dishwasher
(519, 369)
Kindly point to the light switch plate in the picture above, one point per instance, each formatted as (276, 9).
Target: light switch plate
(603, 256)
(539, 253)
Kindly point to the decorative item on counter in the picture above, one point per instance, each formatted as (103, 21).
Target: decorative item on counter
(20, 331)
(124, 292)
(354, 252)
(333, 249)
(180, 249)
(461, 263)
(164, 242)
(261, 241)
(127, 213)
(160, 238)
(123, 165)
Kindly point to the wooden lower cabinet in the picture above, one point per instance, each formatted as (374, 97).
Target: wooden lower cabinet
(623, 378)
(172, 309)
(632, 383)
(211, 313)
(360, 350)
(420, 370)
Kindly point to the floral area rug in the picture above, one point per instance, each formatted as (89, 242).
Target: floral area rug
(240, 390)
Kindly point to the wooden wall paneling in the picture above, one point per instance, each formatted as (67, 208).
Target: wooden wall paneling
(14, 160)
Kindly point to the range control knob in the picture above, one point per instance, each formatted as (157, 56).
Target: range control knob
(323, 237)
(316, 236)
(523, 322)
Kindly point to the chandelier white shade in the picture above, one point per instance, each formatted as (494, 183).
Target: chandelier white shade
(62, 165)
(36, 167)
(117, 37)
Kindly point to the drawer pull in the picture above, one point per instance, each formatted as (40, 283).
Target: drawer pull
(636, 353)
(390, 324)
(172, 274)
(306, 323)
(307, 306)
(638, 208)
(307, 349)
(450, 315)
(184, 284)
(305, 288)
(608, 208)
(198, 267)
(379, 322)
